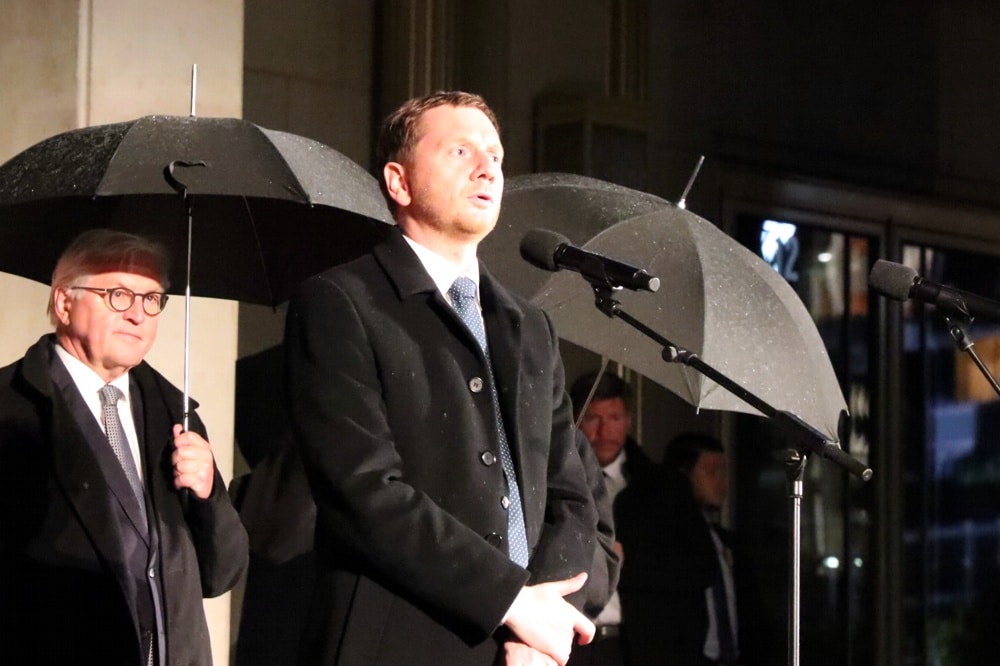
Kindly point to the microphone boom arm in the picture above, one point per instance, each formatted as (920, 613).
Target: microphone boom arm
(805, 437)
(956, 327)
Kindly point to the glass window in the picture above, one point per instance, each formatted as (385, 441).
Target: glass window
(829, 271)
(951, 470)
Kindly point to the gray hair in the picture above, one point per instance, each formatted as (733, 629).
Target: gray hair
(107, 251)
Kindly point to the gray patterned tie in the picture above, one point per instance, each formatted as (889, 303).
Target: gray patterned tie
(463, 298)
(110, 395)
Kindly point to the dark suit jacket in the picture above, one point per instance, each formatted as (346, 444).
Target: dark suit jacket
(636, 469)
(603, 576)
(670, 560)
(396, 430)
(65, 589)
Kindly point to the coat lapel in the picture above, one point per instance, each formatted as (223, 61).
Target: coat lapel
(501, 315)
(502, 318)
(154, 426)
(86, 436)
(403, 267)
(75, 468)
(409, 278)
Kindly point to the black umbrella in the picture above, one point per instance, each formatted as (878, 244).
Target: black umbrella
(269, 208)
(717, 299)
(254, 211)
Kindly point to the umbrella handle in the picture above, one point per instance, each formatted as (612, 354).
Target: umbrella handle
(168, 175)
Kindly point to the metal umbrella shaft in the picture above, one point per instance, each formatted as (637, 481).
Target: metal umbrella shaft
(168, 175)
(186, 404)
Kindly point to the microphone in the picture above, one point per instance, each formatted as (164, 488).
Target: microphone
(902, 283)
(552, 252)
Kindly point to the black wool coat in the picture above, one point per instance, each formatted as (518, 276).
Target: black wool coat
(66, 595)
(392, 413)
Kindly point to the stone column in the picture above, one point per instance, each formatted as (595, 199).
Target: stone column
(65, 65)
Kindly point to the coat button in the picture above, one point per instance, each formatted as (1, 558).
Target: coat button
(488, 458)
(476, 384)
(494, 539)
(505, 502)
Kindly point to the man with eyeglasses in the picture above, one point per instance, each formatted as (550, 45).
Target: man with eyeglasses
(114, 521)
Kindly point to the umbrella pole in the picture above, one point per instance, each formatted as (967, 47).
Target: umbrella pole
(593, 389)
(181, 188)
(187, 316)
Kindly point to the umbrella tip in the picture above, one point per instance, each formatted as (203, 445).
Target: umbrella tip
(194, 87)
(682, 203)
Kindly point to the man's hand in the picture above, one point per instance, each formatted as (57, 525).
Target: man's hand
(194, 465)
(519, 654)
(544, 620)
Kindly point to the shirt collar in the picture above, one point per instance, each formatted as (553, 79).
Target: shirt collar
(615, 468)
(88, 381)
(442, 271)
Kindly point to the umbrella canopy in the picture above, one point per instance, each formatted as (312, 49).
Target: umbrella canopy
(717, 299)
(269, 208)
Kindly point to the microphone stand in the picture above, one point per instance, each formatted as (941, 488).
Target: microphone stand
(956, 327)
(802, 437)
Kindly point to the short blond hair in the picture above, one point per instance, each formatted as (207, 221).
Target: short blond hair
(107, 251)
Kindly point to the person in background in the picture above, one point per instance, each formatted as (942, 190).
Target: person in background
(429, 408)
(602, 579)
(731, 625)
(114, 521)
(605, 422)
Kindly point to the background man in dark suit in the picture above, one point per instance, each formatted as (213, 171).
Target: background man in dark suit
(606, 421)
(102, 558)
(729, 624)
(666, 571)
(408, 402)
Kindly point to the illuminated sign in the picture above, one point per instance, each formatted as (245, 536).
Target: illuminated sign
(779, 246)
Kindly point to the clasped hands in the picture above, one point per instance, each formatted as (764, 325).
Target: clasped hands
(546, 624)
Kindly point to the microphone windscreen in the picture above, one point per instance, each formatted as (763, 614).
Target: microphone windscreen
(538, 247)
(891, 279)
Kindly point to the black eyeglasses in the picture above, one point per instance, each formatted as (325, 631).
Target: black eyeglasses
(121, 299)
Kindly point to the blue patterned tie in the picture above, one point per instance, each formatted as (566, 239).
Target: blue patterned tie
(110, 395)
(463, 298)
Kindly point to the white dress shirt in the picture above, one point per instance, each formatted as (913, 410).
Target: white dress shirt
(89, 383)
